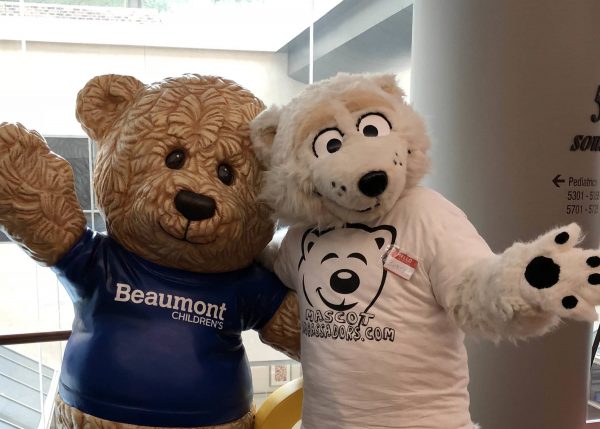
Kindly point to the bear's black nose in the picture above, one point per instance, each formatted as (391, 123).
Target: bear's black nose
(344, 281)
(195, 206)
(373, 183)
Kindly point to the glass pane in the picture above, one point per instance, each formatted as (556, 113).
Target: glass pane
(31, 299)
(75, 150)
(28, 375)
(99, 223)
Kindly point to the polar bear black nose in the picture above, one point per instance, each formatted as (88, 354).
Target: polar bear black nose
(373, 183)
(195, 206)
(344, 281)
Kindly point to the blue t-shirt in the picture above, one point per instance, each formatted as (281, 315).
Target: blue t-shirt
(157, 346)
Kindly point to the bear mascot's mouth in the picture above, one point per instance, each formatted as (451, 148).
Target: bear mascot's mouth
(201, 239)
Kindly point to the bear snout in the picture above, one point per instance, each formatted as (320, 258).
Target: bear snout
(373, 183)
(344, 281)
(195, 206)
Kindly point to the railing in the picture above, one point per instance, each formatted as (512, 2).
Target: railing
(24, 377)
(265, 374)
(34, 337)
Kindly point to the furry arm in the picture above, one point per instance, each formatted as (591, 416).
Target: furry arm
(282, 332)
(526, 290)
(38, 205)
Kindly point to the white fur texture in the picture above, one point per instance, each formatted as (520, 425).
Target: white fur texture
(308, 185)
(323, 190)
(495, 299)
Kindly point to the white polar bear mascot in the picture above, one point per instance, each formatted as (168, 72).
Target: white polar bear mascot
(390, 274)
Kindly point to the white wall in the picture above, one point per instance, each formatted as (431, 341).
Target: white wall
(39, 85)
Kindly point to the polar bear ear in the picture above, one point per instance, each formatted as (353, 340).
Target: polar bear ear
(388, 83)
(102, 100)
(384, 236)
(262, 133)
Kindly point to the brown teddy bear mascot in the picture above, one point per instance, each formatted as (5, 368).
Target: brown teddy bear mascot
(161, 300)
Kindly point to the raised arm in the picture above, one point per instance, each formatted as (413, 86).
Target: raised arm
(38, 206)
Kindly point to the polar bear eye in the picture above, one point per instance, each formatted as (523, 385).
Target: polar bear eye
(327, 141)
(175, 159)
(373, 125)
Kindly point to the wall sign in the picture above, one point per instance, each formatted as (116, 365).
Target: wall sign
(588, 142)
(582, 196)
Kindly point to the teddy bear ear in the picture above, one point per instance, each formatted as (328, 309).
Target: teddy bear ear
(387, 82)
(262, 133)
(102, 100)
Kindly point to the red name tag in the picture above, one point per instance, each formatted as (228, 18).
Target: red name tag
(400, 263)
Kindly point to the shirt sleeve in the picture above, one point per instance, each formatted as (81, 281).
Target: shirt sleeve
(288, 257)
(261, 299)
(79, 270)
(457, 247)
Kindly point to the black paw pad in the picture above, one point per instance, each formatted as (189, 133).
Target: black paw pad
(594, 279)
(542, 272)
(561, 238)
(570, 302)
(593, 261)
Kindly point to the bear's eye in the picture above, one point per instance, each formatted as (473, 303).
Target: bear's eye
(373, 125)
(175, 159)
(225, 174)
(327, 141)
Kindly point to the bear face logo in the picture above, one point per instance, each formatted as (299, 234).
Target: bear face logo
(342, 269)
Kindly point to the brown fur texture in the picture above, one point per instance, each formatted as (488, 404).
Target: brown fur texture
(38, 205)
(283, 330)
(67, 417)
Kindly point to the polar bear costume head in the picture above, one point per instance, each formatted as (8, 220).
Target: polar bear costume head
(344, 150)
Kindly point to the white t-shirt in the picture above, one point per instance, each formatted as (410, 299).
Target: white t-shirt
(379, 350)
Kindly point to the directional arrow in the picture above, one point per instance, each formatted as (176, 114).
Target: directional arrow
(557, 181)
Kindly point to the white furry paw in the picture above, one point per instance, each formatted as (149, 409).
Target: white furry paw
(561, 278)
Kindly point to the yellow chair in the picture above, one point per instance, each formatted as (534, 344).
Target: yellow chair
(282, 408)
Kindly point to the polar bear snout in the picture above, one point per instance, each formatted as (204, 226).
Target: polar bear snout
(373, 183)
(344, 281)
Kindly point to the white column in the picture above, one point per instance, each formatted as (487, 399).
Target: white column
(510, 91)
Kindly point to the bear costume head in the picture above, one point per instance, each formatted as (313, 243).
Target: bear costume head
(175, 175)
(310, 180)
